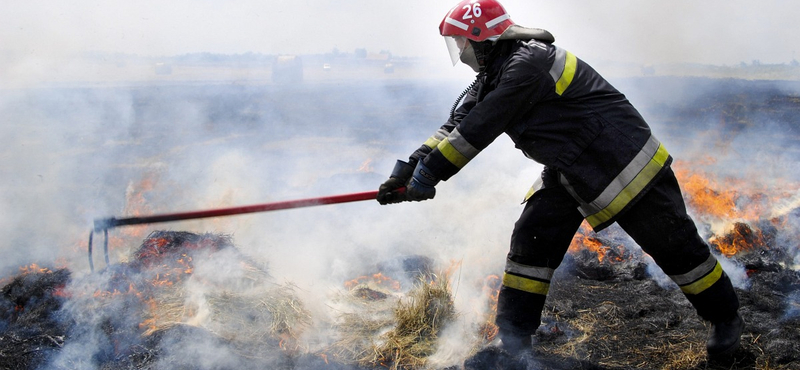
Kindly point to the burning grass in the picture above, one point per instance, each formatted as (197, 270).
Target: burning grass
(170, 292)
(185, 291)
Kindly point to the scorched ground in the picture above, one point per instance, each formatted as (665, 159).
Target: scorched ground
(215, 300)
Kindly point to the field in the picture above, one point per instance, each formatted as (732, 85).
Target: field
(72, 154)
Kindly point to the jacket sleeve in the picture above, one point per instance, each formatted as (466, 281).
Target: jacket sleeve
(444, 131)
(522, 83)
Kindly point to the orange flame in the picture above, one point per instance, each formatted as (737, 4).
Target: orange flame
(378, 279)
(366, 166)
(491, 289)
(730, 204)
(33, 268)
(136, 204)
(741, 239)
(149, 324)
(731, 198)
(705, 196)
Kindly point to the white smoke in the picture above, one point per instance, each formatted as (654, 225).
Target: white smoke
(78, 131)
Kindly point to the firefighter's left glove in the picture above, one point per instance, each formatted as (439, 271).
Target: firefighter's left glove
(422, 184)
(390, 191)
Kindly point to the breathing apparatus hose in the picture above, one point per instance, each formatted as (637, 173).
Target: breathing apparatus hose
(463, 94)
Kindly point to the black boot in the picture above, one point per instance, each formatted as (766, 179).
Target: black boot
(515, 344)
(725, 337)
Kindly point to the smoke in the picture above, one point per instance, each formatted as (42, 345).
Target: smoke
(86, 137)
(76, 154)
(735, 271)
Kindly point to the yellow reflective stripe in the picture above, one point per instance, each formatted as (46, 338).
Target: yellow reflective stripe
(631, 190)
(537, 185)
(525, 285)
(529, 194)
(700, 285)
(697, 272)
(452, 154)
(570, 66)
(432, 142)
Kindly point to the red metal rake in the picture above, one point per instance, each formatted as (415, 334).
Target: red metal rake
(107, 223)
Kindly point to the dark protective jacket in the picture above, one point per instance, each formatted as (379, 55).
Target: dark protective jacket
(561, 113)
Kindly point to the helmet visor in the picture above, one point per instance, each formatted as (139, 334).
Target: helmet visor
(455, 46)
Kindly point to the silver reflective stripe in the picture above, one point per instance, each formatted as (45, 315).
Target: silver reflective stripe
(456, 23)
(497, 20)
(558, 64)
(441, 134)
(696, 273)
(623, 179)
(542, 273)
(462, 145)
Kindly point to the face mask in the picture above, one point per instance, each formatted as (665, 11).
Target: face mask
(469, 58)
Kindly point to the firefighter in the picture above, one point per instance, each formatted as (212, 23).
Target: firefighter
(601, 163)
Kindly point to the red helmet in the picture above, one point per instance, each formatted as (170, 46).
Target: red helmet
(477, 20)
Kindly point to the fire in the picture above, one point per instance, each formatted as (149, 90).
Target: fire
(61, 292)
(149, 323)
(584, 240)
(741, 239)
(731, 206)
(377, 279)
(135, 201)
(733, 199)
(136, 204)
(33, 268)
(491, 289)
(159, 254)
(705, 196)
(366, 166)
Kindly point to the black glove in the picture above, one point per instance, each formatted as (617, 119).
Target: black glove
(422, 184)
(387, 192)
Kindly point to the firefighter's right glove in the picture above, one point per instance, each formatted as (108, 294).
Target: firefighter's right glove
(422, 184)
(388, 191)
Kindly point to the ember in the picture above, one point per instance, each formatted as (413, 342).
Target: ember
(32, 330)
(606, 256)
(137, 306)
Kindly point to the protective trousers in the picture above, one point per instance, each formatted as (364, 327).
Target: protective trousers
(658, 222)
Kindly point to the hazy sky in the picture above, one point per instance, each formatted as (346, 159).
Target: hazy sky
(716, 31)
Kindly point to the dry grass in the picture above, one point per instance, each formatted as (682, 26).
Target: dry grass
(401, 337)
(598, 335)
(272, 315)
(253, 319)
(679, 352)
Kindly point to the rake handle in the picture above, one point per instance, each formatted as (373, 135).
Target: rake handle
(107, 223)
